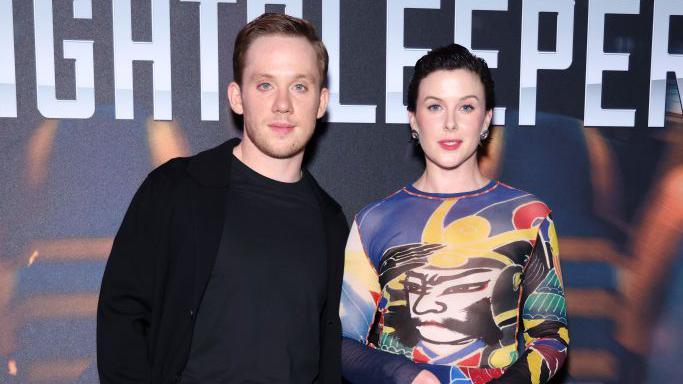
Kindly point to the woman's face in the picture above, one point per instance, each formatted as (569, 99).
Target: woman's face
(450, 115)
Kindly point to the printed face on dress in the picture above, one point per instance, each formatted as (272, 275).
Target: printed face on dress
(280, 96)
(448, 305)
(450, 116)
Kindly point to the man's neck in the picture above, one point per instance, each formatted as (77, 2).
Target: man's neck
(284, 170)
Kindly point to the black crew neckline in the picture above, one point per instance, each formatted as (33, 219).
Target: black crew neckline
(259, 178)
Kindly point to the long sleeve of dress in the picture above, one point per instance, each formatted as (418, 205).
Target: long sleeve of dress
(361, 293)
(543, 313)
(364, 365)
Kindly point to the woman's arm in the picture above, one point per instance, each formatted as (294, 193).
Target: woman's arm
(544, 313)
(364, 365)
(360, 296)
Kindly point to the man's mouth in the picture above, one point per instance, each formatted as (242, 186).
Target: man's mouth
(281, 127)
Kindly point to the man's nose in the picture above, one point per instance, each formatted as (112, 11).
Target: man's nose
(282, 102)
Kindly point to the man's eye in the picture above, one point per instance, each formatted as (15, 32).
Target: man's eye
(465, 288)
(300, 87)
(264, 86)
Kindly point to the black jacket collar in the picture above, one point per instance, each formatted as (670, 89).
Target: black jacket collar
(211, 168)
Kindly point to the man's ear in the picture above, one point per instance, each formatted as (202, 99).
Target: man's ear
(324, 99)
(235, 98)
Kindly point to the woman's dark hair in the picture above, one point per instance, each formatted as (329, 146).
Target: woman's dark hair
(450, 57)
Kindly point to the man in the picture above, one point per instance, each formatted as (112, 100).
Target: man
(228, 264)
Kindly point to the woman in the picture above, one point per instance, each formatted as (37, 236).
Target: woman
(441, 277)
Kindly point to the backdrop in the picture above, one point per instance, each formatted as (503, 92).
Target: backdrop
(94, 94)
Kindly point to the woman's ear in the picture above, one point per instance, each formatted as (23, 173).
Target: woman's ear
(413, 122)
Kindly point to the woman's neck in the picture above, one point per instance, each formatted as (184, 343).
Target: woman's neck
(457, 180)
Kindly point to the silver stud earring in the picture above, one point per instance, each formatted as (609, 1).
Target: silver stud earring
(415, 134)
(484, 135)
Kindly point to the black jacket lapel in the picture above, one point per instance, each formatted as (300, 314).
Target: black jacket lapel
(211, 170)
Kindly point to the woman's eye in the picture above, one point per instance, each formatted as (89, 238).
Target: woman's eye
(264, 86)
(434, 107)
(467, 108)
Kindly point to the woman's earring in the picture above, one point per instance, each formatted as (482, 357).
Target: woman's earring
(484, 135)
(415, 135)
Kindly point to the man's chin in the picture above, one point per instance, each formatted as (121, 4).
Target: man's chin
(281, 150)
(286, 153)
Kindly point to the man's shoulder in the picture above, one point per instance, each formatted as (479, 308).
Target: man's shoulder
(325, 197)
(175, 168)
(328, 203)
(206, 168)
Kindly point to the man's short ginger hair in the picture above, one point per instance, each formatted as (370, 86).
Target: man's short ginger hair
(270, 24)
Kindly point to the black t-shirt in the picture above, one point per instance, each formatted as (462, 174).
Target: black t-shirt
(259, 320)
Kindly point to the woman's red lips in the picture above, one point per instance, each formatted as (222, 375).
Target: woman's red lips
(450, 145)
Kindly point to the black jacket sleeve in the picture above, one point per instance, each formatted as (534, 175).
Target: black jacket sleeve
(330, 331)
(126, 295)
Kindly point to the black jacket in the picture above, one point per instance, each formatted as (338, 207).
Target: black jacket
(160, 265)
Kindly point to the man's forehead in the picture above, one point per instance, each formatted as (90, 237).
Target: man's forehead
(275, 73)
(280, 63)
(283, 49)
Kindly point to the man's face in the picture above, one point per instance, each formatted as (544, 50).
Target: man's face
(448, 305)
(280, 95)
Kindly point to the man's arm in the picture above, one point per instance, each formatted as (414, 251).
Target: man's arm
(125, 303)
(544, 313)
(330, 326)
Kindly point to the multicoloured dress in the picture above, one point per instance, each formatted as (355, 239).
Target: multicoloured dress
(466, 285)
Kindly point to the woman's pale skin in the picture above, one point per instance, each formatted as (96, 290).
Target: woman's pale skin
(450, 116)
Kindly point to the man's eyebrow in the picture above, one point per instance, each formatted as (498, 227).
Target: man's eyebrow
(269, 76)
(261, 76)
(305, 77)
(436, 279)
